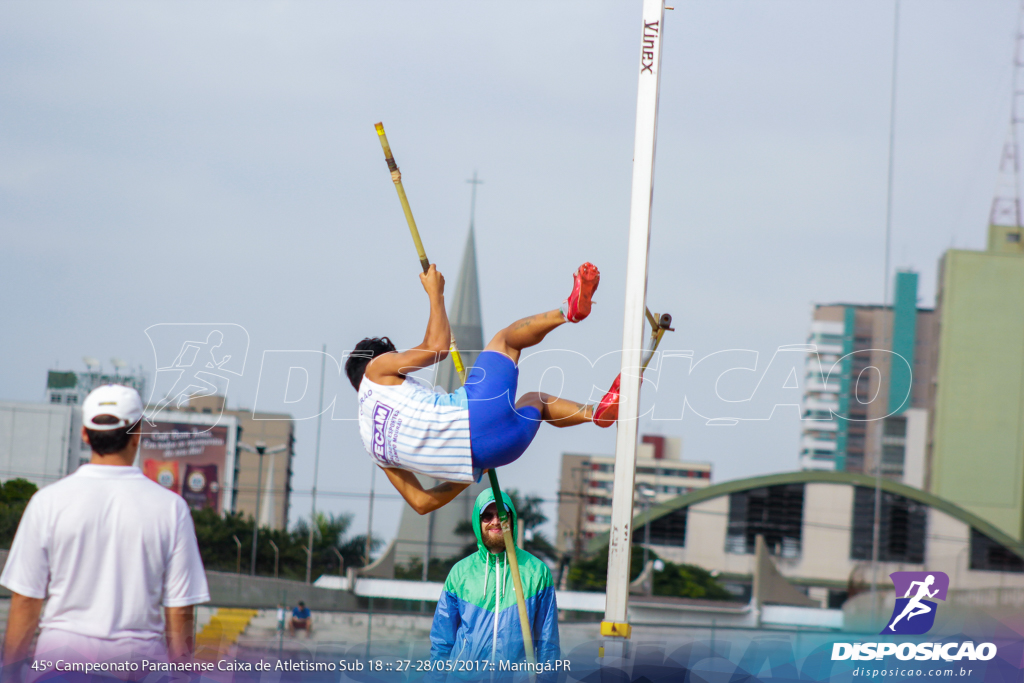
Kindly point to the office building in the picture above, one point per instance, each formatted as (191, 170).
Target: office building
(68, 387)
(863, 404)
(585, 489)
(274, 485)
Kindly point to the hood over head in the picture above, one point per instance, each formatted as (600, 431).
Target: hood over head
(485, 498)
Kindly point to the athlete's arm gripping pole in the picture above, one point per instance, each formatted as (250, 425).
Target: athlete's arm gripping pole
(499, 503)
(396, 176)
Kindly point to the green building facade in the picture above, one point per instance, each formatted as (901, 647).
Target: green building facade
(976, 457)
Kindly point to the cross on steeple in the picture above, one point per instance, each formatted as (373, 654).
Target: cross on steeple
(472, 202)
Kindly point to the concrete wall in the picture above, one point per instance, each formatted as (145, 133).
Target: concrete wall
(240, 590)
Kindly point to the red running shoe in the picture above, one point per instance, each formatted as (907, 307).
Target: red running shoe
(584, 283)
(607, 411)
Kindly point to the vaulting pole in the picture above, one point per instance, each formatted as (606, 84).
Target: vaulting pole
(615, 627)
(506, 526)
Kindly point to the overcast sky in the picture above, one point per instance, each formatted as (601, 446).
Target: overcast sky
(194, 162)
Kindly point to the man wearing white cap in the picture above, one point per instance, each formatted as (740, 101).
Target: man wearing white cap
(106, 548)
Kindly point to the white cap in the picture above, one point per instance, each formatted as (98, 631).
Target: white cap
(122, 402)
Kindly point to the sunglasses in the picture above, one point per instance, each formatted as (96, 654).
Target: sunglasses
(488, 515)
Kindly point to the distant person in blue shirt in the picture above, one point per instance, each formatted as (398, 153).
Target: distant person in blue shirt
(301, 619)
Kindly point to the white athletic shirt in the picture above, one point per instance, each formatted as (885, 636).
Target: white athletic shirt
(410, 427)
(109, 548)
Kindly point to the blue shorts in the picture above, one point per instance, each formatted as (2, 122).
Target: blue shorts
(498, 432)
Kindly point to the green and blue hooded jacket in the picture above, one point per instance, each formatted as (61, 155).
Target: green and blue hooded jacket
(477, 618)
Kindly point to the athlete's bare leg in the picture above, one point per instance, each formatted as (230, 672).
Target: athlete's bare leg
(910, 611)
(558, 412)
(531, 331)
(922, 609)
(525, 333)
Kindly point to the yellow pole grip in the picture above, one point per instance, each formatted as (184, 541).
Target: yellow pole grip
(396, 176)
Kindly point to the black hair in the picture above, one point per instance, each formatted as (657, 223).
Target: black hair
(365, 351)
(107, 441)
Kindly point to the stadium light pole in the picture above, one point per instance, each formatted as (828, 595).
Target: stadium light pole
(369, 521)
(341, 561)
(277, 556)
(259, 449)
(316, 468)
(887, 310)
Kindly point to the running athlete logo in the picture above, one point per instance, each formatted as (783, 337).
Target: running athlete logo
(192, 361)
(914, 614)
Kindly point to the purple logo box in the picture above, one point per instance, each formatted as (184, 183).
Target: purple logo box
(901, 582)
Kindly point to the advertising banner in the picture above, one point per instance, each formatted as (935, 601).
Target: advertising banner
(188, 459)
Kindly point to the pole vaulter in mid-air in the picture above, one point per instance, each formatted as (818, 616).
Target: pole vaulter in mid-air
(407, 427)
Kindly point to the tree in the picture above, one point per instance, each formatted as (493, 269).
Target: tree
(217, 547)
(529, 515)
(14, 496)
(676, 580)
(219, 551)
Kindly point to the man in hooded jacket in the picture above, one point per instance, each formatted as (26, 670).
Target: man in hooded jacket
(477, 618)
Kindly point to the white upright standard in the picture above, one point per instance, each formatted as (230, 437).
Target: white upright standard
(615, 626)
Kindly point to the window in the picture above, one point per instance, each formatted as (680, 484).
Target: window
(54, 398)
(901, 531)
(1013, 237)
(892, 459)
(669, 529)
(894, 426)
(989, 555)
(773, 511)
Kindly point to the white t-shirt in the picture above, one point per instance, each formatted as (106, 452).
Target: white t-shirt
(410, 427)
(109, 548)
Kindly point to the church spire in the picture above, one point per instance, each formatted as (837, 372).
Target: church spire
(464, 309)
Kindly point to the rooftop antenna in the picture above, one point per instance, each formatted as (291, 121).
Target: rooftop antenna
(91, 363)
(118, 364)
(1006, 201)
